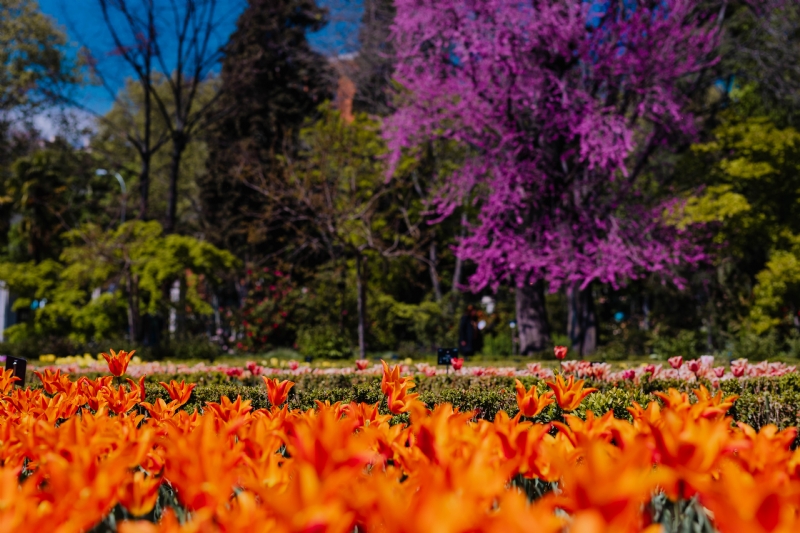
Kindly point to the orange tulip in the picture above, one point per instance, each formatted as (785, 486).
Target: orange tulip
(743, 503)
(50, 380)
(587, 489)
(396, 389)
(160, 410)
(530, 402)
(139, 493)
(179, 392)
(7, 379)
(691, 449)
(277, 392)
(119, 401)
(389, 376)
(366, 414)
(398, 399)
(118, 362)
(139, 386)
(201, 464)
(569, 394)
(227, 410)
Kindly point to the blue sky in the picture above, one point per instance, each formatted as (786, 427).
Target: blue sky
(83, 22)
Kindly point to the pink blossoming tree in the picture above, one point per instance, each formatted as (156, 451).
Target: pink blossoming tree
(563, 104)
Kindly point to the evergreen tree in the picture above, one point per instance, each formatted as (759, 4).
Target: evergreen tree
(375, 60)
(272, 81)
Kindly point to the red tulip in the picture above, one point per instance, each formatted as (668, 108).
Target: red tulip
(560, 351)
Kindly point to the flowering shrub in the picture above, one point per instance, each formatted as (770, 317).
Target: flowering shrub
(264, 314)
(92, 453)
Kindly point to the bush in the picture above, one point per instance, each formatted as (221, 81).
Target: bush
(686, 343)
(613, 351)
(757, 347)
(323, 342)
(192, 348)
(497, 344)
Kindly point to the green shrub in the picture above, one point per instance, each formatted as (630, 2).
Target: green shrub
(686, 343)
(757, 347)
(793, 345)
(497, 344)
(323, 342)
(191, 348)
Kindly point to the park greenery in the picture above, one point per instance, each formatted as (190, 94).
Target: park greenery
(623, 180)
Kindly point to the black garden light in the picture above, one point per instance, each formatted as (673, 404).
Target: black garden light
(445, 356)
(19, 366)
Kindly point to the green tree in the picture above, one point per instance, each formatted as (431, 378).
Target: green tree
(271, 82)
(750, 171)
(34, 68)
(115, 144)
(338, 202)
(131, 265)
(142, 261)
(52, 190)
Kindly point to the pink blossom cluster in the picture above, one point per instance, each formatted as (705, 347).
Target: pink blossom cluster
(561, 104)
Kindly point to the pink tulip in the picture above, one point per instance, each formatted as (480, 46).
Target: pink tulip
(675, 362)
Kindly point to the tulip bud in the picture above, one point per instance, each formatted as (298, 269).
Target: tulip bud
(560, 352)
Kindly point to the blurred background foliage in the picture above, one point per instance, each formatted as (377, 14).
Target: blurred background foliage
(287, 232)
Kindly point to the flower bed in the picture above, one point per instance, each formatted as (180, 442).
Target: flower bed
(112, 454)
(702, 368)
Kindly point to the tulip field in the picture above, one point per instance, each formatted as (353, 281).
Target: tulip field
(101, 453)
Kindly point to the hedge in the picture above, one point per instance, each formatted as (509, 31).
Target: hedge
(761, 401)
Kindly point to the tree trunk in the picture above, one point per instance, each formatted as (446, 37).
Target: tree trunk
(146, 151)
(342, 296)
(581, 320)
(181, 329)
(437, 287)
(132, 286)
(178, 147)
(217, 318)
(361, 287)
(457, 273)
(532, 323)
(144, 185)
